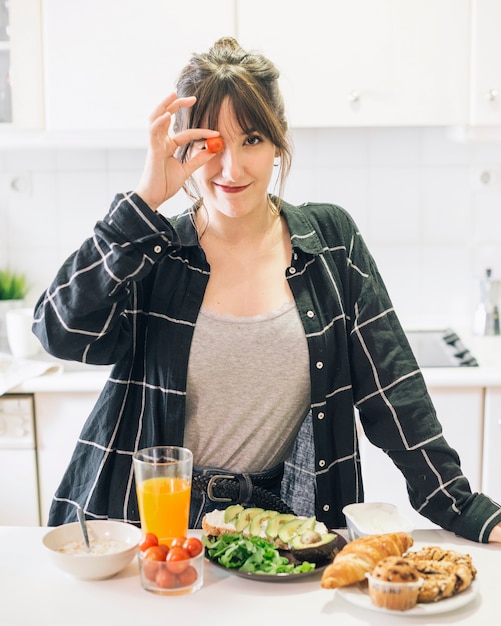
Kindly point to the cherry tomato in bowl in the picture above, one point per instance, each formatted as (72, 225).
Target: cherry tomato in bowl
(172, 570)
(155, 553)
(177, 560)
(165, 579)
(193, 546)
(148, 540)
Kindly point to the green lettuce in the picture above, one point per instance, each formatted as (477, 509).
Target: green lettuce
(251, 554)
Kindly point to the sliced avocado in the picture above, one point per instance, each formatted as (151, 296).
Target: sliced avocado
(244, 518)
(313, 546)
(289, 529)
(308, 524)
(231, 512)
(256, 522)
(276, 523)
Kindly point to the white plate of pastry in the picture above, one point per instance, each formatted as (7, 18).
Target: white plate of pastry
(445, 580)
(359, 595)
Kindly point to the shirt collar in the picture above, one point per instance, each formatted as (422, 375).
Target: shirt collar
(303, 234)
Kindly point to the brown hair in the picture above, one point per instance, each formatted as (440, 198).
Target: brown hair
(250, 80)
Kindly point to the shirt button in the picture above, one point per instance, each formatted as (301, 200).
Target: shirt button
(321, 463)
(321, 415)
(292, 270)
(319, 365)
(310, 314)
(326, 507)
(295, 256)
(157, 249)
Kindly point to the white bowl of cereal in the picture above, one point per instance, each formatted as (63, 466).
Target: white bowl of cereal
(113, 546)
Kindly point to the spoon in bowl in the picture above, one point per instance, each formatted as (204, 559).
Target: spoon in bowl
(83, 526)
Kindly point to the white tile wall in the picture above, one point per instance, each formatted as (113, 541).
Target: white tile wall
(415, 194)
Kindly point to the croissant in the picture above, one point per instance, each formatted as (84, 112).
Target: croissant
(360, 556)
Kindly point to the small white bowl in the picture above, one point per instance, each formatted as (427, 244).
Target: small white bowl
(375, 518)
(118, 539)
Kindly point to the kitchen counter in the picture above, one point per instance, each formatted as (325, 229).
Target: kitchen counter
(35, 593)
(81, 377)
(70, 377)
(93, 378)
(75, 376)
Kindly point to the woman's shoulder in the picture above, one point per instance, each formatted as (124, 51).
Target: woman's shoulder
(320, 216)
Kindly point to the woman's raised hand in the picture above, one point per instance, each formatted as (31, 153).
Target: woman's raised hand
(164, 175)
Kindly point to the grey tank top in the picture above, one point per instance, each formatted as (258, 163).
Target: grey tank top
(248, 389)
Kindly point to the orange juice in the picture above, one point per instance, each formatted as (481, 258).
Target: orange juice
(164, 507)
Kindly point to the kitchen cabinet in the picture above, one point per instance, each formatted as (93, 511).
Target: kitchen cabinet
(108, 64)
(59, 420)
(103, 67)
(366, 63)
(486, 63)
(460, 411)
(19, 503)
(491, 469)
(21, 73)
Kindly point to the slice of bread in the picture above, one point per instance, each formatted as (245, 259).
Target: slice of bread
(214, 524)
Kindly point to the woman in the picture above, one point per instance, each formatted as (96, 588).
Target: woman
(245, 328)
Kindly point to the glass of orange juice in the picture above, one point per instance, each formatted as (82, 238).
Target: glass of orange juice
(163, 486)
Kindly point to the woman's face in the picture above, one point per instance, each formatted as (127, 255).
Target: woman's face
(235, 181)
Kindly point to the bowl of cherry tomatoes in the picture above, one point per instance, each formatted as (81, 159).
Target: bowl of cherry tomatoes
(173, 569)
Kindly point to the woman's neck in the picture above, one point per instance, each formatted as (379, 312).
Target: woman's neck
(235, 231)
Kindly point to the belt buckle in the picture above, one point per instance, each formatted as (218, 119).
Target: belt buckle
(210, 487)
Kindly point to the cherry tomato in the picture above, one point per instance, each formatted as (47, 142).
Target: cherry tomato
(150, 569)
(188, 577)
(165, 579)
(155, 553)
(165, 549)
(193, 546)
(177, 560)
(177, 541)
(215, 144)
(148, 540)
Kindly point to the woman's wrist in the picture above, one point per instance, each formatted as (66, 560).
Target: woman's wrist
(495, 535)
(147, 201)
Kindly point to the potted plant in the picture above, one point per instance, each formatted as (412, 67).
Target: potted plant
(13, 290)
(12, 286)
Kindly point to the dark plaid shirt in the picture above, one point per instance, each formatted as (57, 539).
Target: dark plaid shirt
(130, 296)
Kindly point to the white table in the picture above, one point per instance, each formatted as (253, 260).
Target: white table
(34, 593)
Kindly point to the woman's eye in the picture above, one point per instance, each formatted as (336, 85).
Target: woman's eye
(253, 140)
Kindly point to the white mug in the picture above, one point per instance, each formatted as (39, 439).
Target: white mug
(22, 342)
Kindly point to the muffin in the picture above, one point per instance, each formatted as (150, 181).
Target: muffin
(394, 584)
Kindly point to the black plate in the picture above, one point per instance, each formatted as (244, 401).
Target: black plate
(282, 578)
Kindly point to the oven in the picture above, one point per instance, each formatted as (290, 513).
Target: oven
(440, 348)
(19, 500)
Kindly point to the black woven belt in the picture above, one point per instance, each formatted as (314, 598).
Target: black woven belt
(242, 489)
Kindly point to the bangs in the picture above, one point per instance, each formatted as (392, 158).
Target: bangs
(252, 110)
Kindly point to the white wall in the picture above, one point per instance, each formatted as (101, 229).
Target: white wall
(415, 194)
